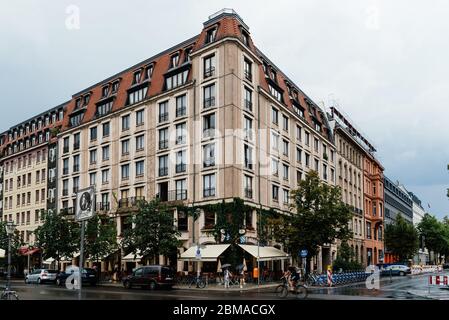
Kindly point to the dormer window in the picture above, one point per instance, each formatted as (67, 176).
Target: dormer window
(272, 74)
(174, 60)
(245, 38)
(148, 72)
(210, 35)
(78, 103)
(115, 87)
(136, 77)
(187, 54)
(86, 99)
(105, 91)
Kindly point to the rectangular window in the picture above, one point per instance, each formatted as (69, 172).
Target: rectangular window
(125, 172)
(248, 128)
(247, 69)
(140, 169)
(125, 147)
(248, 153)
(163, 111)
(209, 155)
(316, 145)
(93, 156)
(181, 161)
(66, 145)
(105, 176)
(285, 123)
(274, 116)
(285, 147)
(103, 109)
(76, 163)
(65, 169)
(274, 141)
(285, 172)
(285, 196)
(181, 133)
(274, 167)
(76, 186)
(317, 165)
(106, 129)
(209, 185)
(137, 95)
(209, 66)
(209, 96)
(176, 80)
(275, 193)
(136, 77)
(163, 166)
(93, 133)
(76, 141)
(298, 155)
(209, 125)
(307, 137)
(181, 106)
(163, 138)
(307, 160)
(105, 153)
(248, 185)
(125, 122)
(174, 59)
(248, 99)
(140, 117)
(92, 178)
(181, 189)
(140, 142)
(324, 172)
(210, 35)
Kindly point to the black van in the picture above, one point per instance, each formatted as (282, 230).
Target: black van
(150, 276)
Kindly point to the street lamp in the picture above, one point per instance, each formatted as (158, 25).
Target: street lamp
(10, 227)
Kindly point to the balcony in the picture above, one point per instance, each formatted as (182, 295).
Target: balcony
(163, 144)
(163, 117)
(249, 193)
(172, 195)
(209, 72)
(163, 171)
(209, 102)
(208, 192)
(209, 162)
(181, 167)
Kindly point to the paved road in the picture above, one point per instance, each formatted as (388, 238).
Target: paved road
(409, 287)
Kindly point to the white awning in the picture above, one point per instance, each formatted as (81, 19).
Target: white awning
(265, 253)
(2, 253)
(49, 261)
(130, 257)
(208, 252)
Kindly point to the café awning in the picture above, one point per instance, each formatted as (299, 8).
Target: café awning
(265, 253)
(208, 252)
(25, 251)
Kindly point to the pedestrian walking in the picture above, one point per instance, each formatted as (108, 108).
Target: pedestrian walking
(227, 275)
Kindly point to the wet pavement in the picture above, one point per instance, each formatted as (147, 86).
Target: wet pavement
(408, 287)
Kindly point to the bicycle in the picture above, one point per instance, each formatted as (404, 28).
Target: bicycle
(9, 295)
(198, 281)
(283, 290)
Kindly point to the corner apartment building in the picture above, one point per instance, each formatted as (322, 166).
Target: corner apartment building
(28, 162)
(373, 208)
(205, 121)
(397, 202)
(351, 148)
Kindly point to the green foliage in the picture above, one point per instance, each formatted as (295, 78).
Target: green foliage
(154, 232)
(345, 259)
(401, 239)
(100, 237)
(435, 234)
(16, 242)
(57, 236)
(320, 216)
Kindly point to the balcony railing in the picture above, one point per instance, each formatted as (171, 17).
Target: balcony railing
(248, 76)
(76, 146)
(163, 144)
(180, 140)
(208, 133)
(76, 168)
(172, 195)
(75, 189)
(209, 192)
(181, 167)
(248, 193)
(181, 111)
(209, 72)
(130, 202)
(65, 192)
(163, 117)
(67, 211)
(103, 206)
(209, 102)
(209, 162)
(163, 171)
(65, 149)
(248, 105)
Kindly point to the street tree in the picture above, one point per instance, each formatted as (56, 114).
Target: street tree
(434, 234)
(319, 216)
(57, 237)
(153, 231)
(16, 242)
(100, 237)
(401, 238)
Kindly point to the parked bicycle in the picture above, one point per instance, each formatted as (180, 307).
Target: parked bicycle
(299, 290)
(198, 282)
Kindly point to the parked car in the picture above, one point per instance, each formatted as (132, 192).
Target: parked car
(89, 275)
(150, 276)
(396, 270)
(446, 266)
(41, 276)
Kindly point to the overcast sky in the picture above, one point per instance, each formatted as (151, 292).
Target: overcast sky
(385, 62)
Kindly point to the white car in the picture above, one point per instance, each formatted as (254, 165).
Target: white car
(396, 269)
(41, 275)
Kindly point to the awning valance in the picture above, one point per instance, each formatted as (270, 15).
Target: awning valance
(131, 257)
(265, 253)
(25, 251)
(208, 252)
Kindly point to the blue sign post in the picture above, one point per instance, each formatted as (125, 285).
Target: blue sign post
(303, 253)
